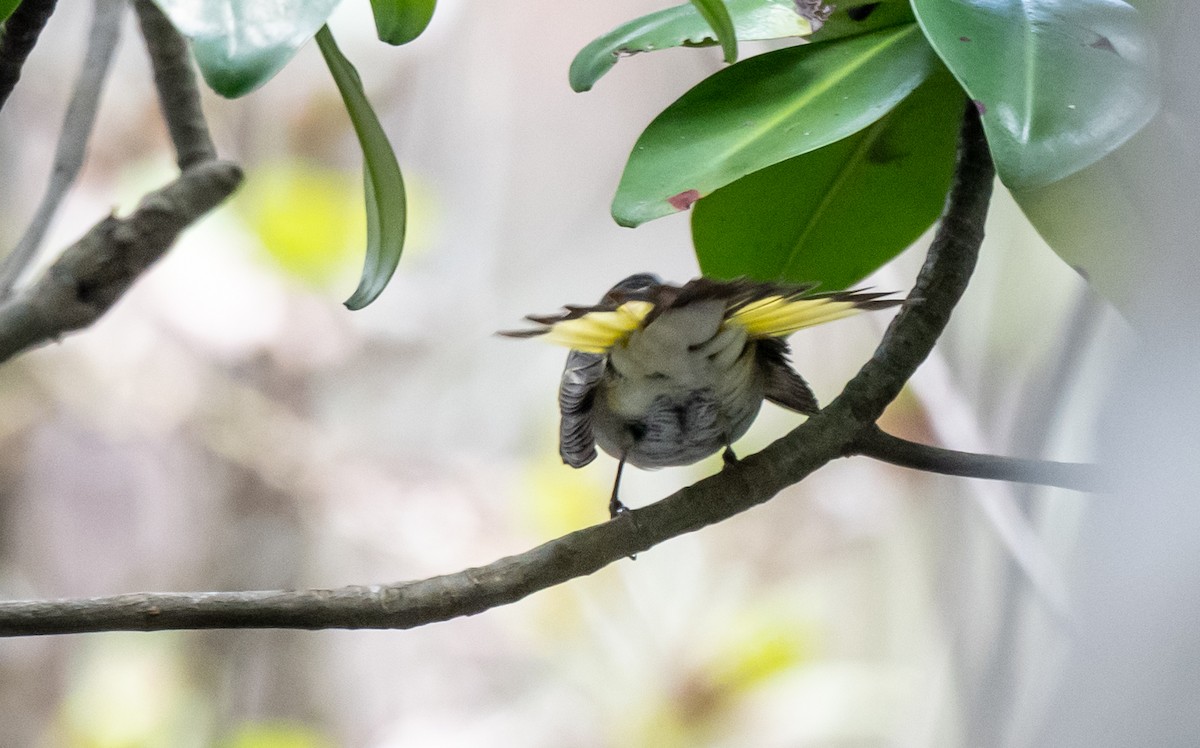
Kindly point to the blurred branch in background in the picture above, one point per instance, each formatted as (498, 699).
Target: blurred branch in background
(823, 438)
(98, 269)
(77, 126)
(879, 445)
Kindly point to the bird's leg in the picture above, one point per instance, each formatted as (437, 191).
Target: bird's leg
(728, 456)
(615, 507)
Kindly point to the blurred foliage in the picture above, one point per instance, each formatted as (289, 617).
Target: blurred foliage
(129, 691)
(308, 218)
(276, 735)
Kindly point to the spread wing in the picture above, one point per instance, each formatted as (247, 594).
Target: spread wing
(576, 442)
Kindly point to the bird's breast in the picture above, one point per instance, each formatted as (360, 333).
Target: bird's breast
(670, 400)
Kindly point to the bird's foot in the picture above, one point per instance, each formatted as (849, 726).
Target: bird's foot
(729, 457)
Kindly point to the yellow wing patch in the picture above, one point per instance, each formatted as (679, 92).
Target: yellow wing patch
(596, 332)
(777, 316)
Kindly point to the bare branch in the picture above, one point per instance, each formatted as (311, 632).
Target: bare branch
(823, 438)
(17, 39)
(72, 140)
(872, 442)
(177, 91)
(95, 271)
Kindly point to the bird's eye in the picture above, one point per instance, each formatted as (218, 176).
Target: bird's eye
(656, 375)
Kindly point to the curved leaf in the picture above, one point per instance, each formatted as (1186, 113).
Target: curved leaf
(1060, 83)
(764, 110)
(716, 15)
(383, 184)
(836, 214)
(400, 21)
(684, 26)
(240, 45)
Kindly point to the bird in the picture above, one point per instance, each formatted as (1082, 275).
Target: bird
(663, 375)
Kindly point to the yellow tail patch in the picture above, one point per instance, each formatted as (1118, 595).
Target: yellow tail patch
(777, 316)
(596, 332)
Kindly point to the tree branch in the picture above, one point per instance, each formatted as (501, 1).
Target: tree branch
(178, 94)
(871, 442)
(752, 481)
(72, 140)
(18, 36)
(97, 270)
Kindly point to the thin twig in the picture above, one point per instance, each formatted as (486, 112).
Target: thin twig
(178, 93)
(872, 442)
(755, 479)
(17, 39)
(72, 140)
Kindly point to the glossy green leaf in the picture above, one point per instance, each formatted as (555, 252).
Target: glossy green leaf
(852, 19)
(1097, 220)
(401, 21)
(240, 44)
(684, 26)
(384, 187)
(765, 110)
(7, 7)
(836, 214)
(1060, 83)
(716, 15)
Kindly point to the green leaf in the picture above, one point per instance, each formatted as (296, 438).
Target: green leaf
(716, 15)
(765, 110)
(836, 214)
(861, 18)
(400, 21)
(1060, 83)
(1098, 219)
(240, 45)
(384, 187)
(7, 7)
(684, 26)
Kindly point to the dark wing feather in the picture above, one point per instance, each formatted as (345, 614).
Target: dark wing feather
(781, 384)
(576, 442)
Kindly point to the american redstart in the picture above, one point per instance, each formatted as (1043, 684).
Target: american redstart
(661, 375)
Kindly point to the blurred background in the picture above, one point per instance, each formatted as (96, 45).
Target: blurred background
(229, 425)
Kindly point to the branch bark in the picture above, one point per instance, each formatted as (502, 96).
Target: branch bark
(178, 94)
(72, 140)
(752, 481)
(17, 39)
